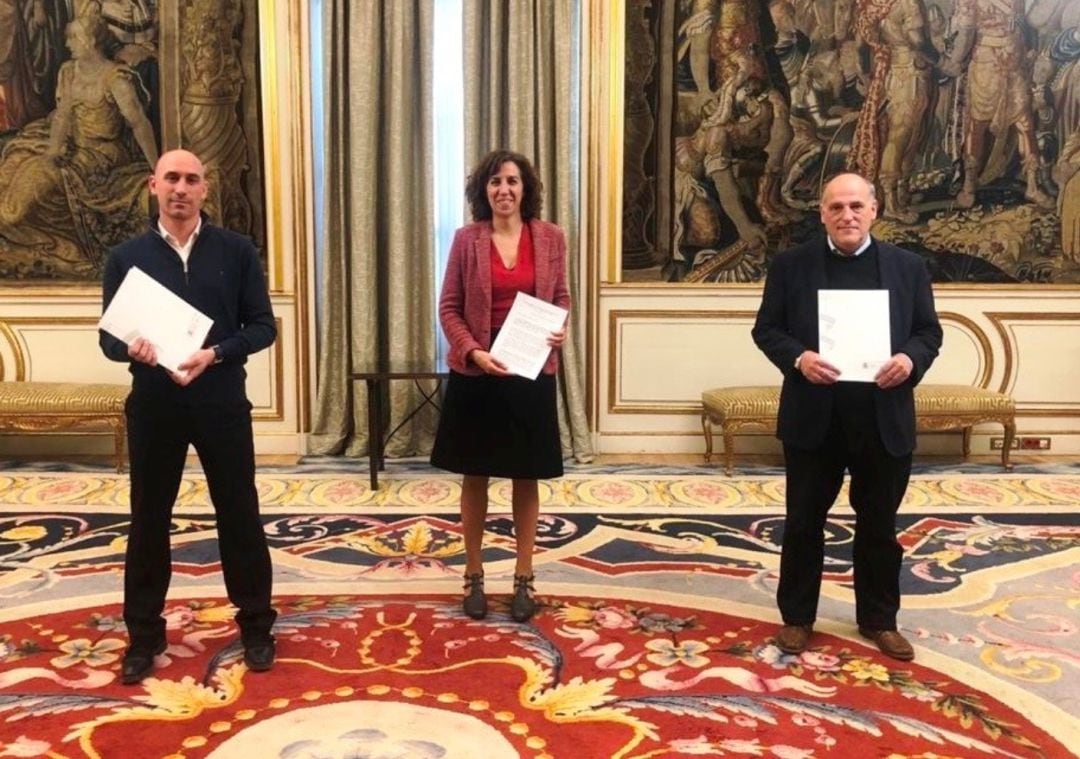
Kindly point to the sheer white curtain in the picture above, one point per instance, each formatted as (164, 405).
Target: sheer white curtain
(448, 113)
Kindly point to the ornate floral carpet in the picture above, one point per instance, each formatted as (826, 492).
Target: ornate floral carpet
(655, 638)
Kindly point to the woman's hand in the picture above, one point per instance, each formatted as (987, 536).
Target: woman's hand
(489, 363)
(556, 339)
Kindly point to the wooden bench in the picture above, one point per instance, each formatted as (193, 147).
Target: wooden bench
(50, 406)
(937, 407)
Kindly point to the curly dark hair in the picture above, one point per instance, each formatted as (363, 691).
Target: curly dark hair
(476, 185)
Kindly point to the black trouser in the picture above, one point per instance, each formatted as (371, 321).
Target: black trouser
(878, 482)
(159, 432)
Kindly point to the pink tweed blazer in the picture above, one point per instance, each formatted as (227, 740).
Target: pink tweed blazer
(465, 302)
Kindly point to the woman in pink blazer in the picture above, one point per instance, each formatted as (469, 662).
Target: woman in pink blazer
(494, 423)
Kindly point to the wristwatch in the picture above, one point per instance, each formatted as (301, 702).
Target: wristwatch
(218, 356)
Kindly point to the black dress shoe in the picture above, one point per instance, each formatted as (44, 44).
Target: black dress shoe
(259, 657)
(139, 662)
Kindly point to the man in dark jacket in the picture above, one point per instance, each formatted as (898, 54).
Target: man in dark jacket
(219, 273)
(828, 426)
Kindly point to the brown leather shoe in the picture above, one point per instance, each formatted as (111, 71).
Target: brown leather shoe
(792, 639)
(890, 642)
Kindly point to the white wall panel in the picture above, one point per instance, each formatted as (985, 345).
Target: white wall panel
(1043, 352)
(48, 339)
(660, 347)
(667, 359)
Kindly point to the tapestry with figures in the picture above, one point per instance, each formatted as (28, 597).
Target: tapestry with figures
(91, 92)
(965, 114)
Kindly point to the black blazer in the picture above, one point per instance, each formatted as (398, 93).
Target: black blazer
(787, 324)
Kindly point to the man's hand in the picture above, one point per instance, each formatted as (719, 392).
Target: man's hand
(193, 366)
(895, 371)
(489, 363)
(142, 350)
(816, 369)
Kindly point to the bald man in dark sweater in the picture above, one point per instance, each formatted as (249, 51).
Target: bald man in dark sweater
(219, 273)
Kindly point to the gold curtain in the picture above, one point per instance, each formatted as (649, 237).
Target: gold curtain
(519, 95)
(378, 278)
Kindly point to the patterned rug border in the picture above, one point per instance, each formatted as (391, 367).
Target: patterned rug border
(107, 492)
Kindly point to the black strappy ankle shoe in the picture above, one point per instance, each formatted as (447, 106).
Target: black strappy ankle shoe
(474, 604)
(523, 605)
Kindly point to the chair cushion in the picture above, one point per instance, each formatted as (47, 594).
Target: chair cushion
(763, 401)
(38, 398)
(747, 402)
(961, 399)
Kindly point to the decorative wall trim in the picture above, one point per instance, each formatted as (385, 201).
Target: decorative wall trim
(285, 73)
(1015, 290)
(18, 347)
(999, 319)
(17, 352)
(615, 316)
(275, 413)
(981, 337)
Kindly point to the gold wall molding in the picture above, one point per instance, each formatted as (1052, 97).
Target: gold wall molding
(17, 352)
(276, 413)
(10, 333)
(275, 136)
(1002, 320)
(607, 55)
(285, 77)
(999, 320)
(603, 57)
(618, 315)
(980, 337)
(18, 347)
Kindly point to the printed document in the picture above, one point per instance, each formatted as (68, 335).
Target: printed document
(143, 307)
(853, 332)
(521, 344)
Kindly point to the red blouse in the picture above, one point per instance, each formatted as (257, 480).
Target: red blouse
(507, 283)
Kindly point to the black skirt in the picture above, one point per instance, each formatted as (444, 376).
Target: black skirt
(499, 427)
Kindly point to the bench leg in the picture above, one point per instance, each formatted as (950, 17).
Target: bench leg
(1006, 444)
(729, 452)
(967, 442)
(706, 427)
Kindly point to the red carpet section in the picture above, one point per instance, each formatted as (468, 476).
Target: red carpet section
(360, 676)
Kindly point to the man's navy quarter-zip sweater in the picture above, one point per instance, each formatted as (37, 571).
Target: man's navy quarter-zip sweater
(223, 279)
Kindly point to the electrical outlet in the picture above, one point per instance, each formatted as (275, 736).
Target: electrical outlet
(1033, 443)
(997, 443)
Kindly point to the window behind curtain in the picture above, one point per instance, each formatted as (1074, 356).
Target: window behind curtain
(318, 146)
(448, 114)
(448, 171)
